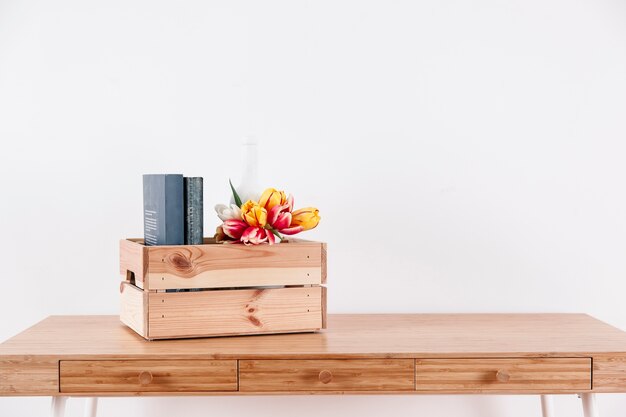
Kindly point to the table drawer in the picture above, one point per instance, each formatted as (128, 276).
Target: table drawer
(327, 375)
(148, 376)
(522, 374)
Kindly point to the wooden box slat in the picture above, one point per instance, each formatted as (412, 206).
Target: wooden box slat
(234, 312)
(219, 265)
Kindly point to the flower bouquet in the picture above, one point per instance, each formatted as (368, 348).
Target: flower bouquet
(264, 221)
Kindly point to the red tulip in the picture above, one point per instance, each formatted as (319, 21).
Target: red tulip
(279, 217)
(254, 235)
(234, 228)
(292, 230)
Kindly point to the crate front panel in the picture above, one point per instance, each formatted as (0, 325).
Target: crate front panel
(232, 312)
(219, 265)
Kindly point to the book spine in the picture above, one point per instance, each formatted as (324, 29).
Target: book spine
(194, 211)
(163, 209)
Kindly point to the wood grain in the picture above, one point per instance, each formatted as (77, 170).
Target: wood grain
(148, 376)
(324, 263)
(219, 265)
(240, 277)
(515, 374)
(34, 353)
(609, 373)
(324, 307)
(134, 308)
(350, 336)
(226, 312)
(326, 375)
(28, 375)
(133, 261)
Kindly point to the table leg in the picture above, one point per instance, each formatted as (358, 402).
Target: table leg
(58, 406)
(547, 406)
(590, 407)
(91, 407)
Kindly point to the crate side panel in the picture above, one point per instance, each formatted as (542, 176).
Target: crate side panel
(230, 312)
(133, 258)
(133, 308)
(219, 266)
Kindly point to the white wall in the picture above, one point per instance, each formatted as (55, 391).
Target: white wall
(465, 156)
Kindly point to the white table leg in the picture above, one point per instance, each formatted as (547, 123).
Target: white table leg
(91, 407)
(547, 406)
(590, 407)
(58, 406)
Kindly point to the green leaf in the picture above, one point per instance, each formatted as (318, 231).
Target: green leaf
(278, 235)
(235, 195)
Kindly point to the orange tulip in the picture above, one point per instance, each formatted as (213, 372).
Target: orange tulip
(307, 218)
(253, 214)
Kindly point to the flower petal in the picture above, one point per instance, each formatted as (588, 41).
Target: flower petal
(234, 228)
(292, 230)
(283, 221)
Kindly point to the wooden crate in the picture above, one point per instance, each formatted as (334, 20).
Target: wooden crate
(226, 289)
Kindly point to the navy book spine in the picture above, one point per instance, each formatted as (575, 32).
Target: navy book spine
(164, 219)
(194, 207)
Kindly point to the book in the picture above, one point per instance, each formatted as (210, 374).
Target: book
(164, 219)
(194, 207)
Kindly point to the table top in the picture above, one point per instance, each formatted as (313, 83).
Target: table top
(347, 336)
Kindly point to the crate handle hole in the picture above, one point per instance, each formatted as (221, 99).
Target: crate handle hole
(130, 277)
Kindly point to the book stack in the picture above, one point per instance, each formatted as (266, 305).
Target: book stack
(173, 210)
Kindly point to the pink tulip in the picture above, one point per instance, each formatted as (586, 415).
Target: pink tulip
(279, 217)
(292, 230)
(234, 228)
(254, 235)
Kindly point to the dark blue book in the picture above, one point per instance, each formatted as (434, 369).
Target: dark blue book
(194, 208)
(163, 210)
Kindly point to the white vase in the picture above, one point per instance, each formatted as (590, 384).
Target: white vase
(248, 188)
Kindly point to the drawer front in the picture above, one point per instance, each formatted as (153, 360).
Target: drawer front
(327, 375)
(523, 374)
(148, 376)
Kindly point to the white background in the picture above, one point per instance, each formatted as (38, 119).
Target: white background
(466, 156)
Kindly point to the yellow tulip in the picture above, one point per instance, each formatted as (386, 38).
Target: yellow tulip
(253, 214)
(307, 218)
(272, 197)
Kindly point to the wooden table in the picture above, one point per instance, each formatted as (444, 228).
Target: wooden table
(96, 356)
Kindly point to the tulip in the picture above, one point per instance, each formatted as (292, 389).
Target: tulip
(234, 228)
(219, 236)
(292, 230)
(254, 235)
(271, 198)
(271, 239)
(253, 214)
(307, 218)
(279, 217)
(290, 202)
(225, 212)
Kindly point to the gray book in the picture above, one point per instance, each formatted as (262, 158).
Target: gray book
(163, 218)
(194, 207)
